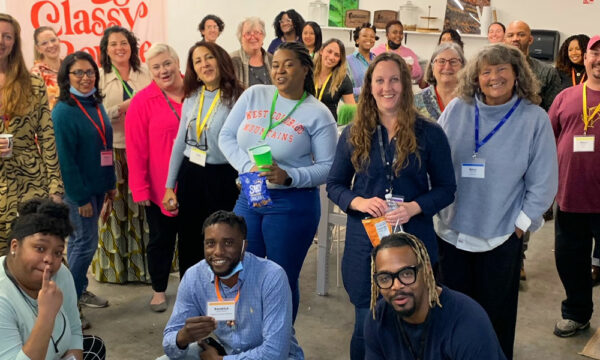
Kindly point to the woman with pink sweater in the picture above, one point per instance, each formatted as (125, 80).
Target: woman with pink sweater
(151, 126)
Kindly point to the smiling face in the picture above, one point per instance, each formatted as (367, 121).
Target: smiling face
(223, 248)
(288, 73)
(7, 40)
(575, 53)
(386, 86)
(518, 34)
(286, 25)
(495, 34)
(446, 72)
(308, 36)
(48, 45)
(395, 34)
(592, 63)
(84, 84)
(366, 39)
(497, 83)
(164, 70)
(211, 31)
(32, 254)
(331, 55)
(118, 49)
(206, 67)
(252, 38)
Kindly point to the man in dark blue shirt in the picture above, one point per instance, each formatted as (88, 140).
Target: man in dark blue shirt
(409, 322)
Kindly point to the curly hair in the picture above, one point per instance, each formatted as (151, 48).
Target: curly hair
(230, 86)
(356, 32)
(41, 216)
(64, 83)
(214, 18)
(527, 85)
(296, 18)
(454, 35)
(134, 59)
(367, 118)
(563, 63)
(399, 240)
(440, 49)
(339, 71)
(15, 97)
(302, 54)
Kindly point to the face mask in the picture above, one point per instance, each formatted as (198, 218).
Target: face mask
(393, 45)
(239, 267)
(74, 91)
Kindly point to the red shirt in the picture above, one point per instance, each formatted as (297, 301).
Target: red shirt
(578, 172)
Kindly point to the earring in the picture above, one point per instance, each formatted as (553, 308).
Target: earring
(13, 253)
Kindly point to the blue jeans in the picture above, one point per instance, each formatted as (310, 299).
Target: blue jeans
(284, 231)
(83, 242)
(357, 343)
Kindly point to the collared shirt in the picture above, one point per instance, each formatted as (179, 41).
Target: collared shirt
(263, 328)
(357, 67)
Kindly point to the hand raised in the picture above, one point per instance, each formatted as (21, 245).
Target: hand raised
(50, 298)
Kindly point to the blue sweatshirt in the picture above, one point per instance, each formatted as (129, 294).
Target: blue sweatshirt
(303, 145)
(79, 145)
(521, 170)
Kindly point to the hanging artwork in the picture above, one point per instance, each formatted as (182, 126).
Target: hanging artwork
(337, 11)
(461, 15)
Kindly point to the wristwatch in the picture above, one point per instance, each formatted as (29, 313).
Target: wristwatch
(288, 181)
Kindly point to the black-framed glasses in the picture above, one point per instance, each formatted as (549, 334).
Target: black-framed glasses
(191, 140)
(79, 73)
(407, 276)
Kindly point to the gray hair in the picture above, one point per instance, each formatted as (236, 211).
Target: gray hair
(527, 85)
(254, 22)
(440, 49)
(160, 48)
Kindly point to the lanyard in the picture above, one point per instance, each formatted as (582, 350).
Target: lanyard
(170, 105)
(323, 87)
(200, 127)
(586, 116)
(573, 77)
(389, 168)
(101, 132)
(122, 82)
(422, 340)
(439, 99)
(237, 297)
(271, 125)
(479, 144)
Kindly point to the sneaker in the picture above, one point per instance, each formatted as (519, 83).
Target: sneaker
(90, 300)
(568, 327)
(85, 323)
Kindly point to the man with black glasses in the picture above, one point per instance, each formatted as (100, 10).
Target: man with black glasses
(409, 322)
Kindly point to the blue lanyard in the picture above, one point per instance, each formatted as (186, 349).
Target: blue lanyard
(479, 144)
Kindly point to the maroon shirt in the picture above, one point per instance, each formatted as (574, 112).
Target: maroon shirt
(578, 172)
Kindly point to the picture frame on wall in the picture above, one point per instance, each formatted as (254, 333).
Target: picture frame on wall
(337, 11)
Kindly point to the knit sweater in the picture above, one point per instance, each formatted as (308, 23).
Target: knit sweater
(241, 64)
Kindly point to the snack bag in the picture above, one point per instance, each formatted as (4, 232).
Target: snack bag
(254, 187)
(377, 229)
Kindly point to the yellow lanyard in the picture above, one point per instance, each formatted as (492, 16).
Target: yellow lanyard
(200, 127)
(323, 87)
(586, 117)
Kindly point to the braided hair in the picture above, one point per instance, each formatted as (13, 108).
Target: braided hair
(417, 246)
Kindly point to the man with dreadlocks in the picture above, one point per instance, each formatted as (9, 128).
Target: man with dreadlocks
(409, 322)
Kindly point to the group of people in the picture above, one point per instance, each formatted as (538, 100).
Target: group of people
(136, 157)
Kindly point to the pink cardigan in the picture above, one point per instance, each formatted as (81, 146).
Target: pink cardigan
(150, 130)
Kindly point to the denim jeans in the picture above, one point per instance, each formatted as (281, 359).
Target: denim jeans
(83, 242)
(357, 343)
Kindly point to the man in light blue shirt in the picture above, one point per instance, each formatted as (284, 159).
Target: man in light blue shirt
(260, 326)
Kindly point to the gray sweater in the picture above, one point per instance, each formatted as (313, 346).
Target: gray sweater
(241, 65)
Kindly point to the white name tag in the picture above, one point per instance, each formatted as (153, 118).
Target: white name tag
(198, 156)
(382, 229)
(474, 169)
(583, 143)
(106, 158)
(221, 310)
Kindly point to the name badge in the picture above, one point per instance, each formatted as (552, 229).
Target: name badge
(583, 143)
(474, 169)
(198, 156)
(221, 310)
(106, 158)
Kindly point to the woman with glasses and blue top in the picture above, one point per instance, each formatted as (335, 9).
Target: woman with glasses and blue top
(200, 180)
(38, 304)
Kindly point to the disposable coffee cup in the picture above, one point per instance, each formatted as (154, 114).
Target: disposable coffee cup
(262, 155)
(9, 137)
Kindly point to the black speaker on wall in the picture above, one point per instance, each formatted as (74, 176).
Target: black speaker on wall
(545, 44)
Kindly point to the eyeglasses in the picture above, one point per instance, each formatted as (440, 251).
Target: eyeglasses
(251, 34)
(79, 73)
(406, 275)
(191, 141)
(285, 21)
(48, 42)
(453, 62)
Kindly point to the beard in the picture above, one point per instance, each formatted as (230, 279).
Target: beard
(227, 271)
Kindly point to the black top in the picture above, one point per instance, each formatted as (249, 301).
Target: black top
(258, 75)
(566, 78)
(332, 101)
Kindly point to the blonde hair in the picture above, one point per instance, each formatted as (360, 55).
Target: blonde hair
(160, 48)
(367, 118)
(36, 54)
(339, 71)
(16, 94)
(417, 246)
(527, 85)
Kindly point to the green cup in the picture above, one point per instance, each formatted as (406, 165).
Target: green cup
(262, 155)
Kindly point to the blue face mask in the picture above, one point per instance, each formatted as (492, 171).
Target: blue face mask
(74, 91)
(239, 267)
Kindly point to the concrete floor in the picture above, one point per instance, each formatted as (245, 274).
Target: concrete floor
(324, 324)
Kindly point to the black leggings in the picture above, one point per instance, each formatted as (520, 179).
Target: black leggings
(93, 348)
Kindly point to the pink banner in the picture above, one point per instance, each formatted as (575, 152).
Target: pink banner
(81, 23)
